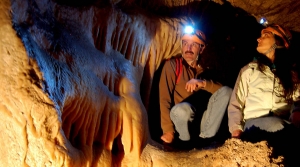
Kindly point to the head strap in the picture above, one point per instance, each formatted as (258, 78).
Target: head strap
(196, 36)
(284, 34)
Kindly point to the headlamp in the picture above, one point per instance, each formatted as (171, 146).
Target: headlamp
(189, 30)
(263, 21)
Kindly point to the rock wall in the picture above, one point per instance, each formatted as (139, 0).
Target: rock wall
(76, 78)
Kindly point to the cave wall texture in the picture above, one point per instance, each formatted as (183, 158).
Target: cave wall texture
(78, 78)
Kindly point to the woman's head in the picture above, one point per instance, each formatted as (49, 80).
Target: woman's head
(279, 31)
(273, 37)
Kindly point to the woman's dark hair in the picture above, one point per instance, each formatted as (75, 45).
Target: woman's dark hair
(282, 67)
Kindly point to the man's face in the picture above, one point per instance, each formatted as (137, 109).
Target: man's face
(191, 50)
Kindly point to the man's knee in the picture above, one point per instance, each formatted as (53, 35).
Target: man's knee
(183, 111)
(221, 96)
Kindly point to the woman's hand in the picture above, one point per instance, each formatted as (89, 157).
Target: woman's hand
(194, 84)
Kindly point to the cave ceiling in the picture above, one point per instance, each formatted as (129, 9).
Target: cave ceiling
(285, 12)
(276, 11)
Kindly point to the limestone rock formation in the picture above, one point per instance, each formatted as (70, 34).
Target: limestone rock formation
(76, 77)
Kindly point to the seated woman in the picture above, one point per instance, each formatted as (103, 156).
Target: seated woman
(261, 105)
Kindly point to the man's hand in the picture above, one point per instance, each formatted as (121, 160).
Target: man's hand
(167, 137)
(295, 118)
(193, 84)
(236, 133)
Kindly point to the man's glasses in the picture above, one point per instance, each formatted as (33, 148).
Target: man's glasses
(193, 45)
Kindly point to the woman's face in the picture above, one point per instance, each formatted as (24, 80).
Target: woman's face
(265, 42)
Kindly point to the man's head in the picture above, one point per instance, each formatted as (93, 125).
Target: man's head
(193, 43)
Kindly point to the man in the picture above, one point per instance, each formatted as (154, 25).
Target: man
(178, 81)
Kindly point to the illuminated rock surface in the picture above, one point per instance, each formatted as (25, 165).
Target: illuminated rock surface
(76, 80)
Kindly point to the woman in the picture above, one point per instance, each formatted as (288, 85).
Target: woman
(262, 100)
